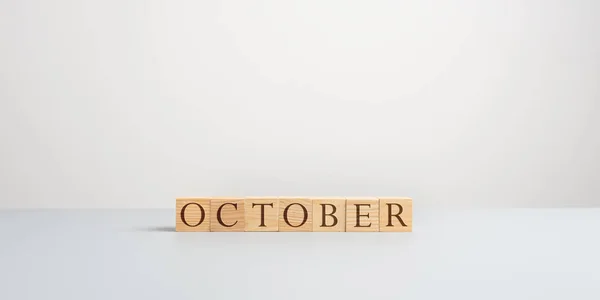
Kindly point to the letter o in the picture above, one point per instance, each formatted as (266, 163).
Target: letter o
(203, 215)
(285, 213)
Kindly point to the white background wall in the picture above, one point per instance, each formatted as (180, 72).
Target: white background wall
(132, 103)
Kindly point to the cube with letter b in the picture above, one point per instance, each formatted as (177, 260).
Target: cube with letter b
(329, 214)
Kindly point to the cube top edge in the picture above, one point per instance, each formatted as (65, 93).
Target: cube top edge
(362, 198)
(192, 198)
(327, 198)
(188, 198)
(395, 198)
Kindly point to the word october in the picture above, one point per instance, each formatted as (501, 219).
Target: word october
(285, 214)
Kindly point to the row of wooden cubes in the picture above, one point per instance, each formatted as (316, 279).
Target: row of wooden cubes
(283, 214)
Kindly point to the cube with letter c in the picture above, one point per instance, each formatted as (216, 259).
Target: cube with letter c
(227, 214)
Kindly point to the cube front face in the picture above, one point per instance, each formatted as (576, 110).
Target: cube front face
(362, 214)
(193, 214)
(395, 214)
(329, 214)
(227, 214)
(262, 214)
(295, 214)
(289, 214)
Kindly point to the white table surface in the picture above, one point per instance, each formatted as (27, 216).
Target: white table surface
(136, 254)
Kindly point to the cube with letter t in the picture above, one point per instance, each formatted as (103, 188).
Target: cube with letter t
(262, 213)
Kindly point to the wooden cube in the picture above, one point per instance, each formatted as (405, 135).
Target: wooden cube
(395, 214)
(362, 214)
(227, 214)
(192, 214)
(262, 213)
(295, 214)
(329, 214)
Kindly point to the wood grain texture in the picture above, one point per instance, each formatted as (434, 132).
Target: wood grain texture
(227, 214)
(192, 214)
(262, 213)
(329, 214)
(395, 214)
(362, 214)
(295, 214)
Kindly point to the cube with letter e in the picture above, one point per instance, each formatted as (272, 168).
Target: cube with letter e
(362, 214)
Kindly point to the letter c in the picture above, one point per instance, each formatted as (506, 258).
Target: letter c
(219, 215)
